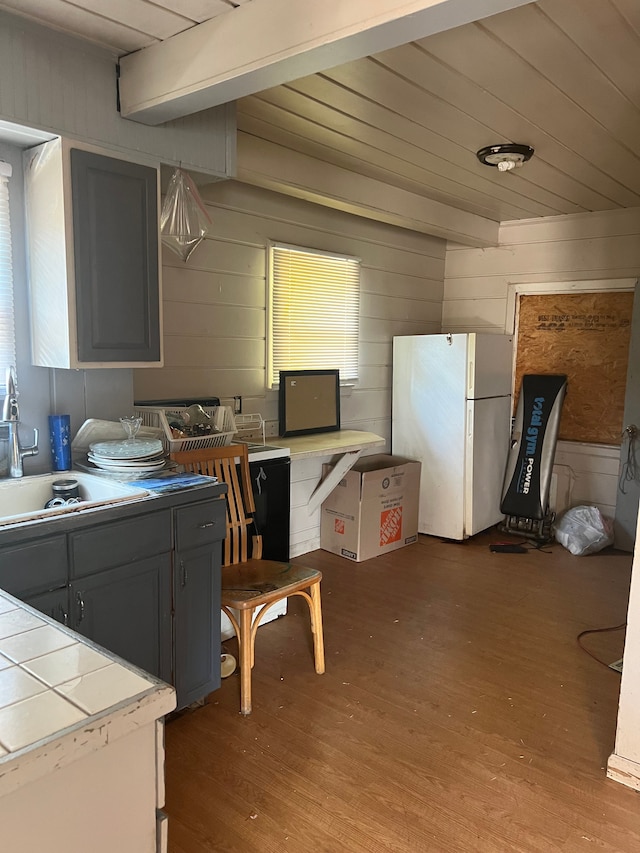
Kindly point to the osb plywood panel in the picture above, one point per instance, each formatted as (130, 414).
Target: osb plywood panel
(585, 336)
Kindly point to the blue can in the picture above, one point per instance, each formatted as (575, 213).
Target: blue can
(60, 438)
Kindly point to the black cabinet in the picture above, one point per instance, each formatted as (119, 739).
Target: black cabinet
(115, 240)
(270, 482)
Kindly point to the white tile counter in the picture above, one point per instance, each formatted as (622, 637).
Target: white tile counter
(80, 742)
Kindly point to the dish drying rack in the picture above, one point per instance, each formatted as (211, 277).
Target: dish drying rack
(222, 417)
(250, 429)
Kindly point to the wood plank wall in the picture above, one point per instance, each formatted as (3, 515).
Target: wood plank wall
(594, 246)
(215, 312)
(56, 83)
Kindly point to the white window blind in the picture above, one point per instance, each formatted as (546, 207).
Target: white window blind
(314, 312)
(7, 328)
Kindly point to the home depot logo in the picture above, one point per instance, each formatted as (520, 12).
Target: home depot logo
(390, 525)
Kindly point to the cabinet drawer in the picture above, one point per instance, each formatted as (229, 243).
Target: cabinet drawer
(201, 524)
(120, 543)
(34, 567)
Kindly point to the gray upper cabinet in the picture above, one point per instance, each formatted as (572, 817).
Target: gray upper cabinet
(115, 216)
(94, 258)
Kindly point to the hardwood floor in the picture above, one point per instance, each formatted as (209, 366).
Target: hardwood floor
(457, 714)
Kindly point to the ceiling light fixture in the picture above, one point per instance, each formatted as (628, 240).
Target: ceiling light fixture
(506, 156)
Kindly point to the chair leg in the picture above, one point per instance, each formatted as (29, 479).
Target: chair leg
(316, 627)
(244, 641)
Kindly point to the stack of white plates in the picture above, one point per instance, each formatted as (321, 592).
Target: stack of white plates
(135, 456)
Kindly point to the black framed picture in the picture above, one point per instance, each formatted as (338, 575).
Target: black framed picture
(309, 401)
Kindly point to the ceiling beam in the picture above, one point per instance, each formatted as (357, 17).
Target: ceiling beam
(268, 42)
(265, 164)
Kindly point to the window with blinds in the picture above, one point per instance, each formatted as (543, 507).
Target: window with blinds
(7, 329)
(314, 312)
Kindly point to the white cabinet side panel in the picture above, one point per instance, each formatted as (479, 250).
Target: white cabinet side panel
(490, 365)
(52, 302)
(488, 433)
(104, 802)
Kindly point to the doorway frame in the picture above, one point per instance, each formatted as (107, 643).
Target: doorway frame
(563, 479)
(517, 289)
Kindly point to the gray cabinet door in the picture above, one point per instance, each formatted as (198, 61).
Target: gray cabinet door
(115, 232)
(196, 592)
(128, 611)
(117, 543)
(54, 604)
(34, 567)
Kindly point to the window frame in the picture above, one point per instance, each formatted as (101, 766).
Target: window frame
(272, 369)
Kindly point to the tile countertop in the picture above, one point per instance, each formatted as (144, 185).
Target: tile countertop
(61, 696)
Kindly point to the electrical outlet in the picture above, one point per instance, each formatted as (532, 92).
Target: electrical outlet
(271, 429)
(237, 405)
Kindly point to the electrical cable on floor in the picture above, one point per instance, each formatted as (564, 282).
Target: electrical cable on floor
(522, 546)
(629, 470)
(539, 546)
(597, 631)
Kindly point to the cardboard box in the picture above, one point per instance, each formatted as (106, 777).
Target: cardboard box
(373, 510)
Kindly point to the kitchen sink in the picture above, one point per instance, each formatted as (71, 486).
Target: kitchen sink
(23, 499)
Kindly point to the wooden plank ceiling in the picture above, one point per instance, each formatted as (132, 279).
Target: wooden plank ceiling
(560, 75)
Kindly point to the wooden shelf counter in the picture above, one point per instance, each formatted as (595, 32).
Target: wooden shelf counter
(348, 444)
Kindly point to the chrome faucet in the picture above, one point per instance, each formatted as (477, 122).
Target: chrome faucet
(11, 418)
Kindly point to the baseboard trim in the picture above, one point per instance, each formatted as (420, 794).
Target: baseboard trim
(624, 770)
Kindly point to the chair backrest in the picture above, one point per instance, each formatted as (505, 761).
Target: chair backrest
(230, 465)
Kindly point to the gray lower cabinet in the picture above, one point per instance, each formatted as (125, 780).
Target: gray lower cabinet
(196, 585)
(128, 611)
(54, 603)
(199, 530)
(34, 567)
(146, 587)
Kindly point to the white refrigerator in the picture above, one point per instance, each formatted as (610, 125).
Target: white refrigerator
(451, 410)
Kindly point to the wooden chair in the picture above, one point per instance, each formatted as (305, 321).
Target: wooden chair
(251, 583)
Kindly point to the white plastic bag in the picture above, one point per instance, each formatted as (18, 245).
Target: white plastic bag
(184, 218)
(584, 530)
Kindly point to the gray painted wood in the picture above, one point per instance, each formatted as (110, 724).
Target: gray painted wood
(196, 591)
(115, 216)
(54, 603)
(128, 611)
(628, 493)
(114, 581)
(199, 531)
(34, 567)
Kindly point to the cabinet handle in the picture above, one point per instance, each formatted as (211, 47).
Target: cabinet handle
(183, 573)
(207, 524)
(80, 602)
(64, 614)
